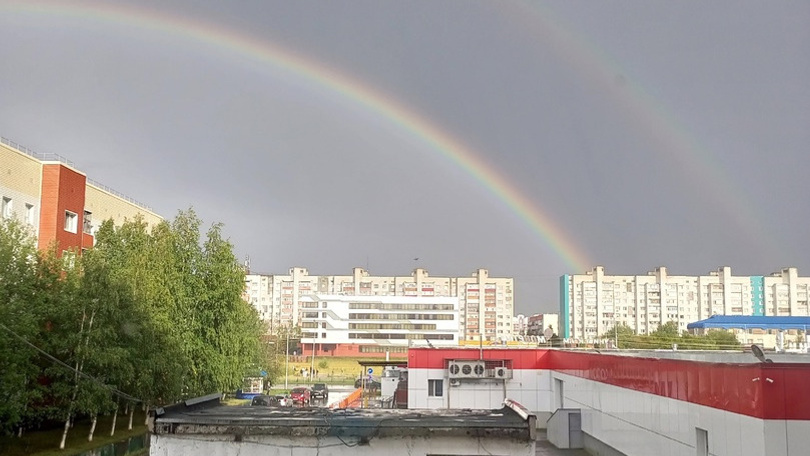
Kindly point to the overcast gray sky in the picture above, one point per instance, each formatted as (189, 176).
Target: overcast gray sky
(627, 134)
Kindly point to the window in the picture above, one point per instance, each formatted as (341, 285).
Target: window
(6, 209)
(87, 222)
(435, 388)
(71, 221)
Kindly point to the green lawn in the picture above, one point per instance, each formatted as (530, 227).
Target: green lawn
(331, 370)
(46, 443)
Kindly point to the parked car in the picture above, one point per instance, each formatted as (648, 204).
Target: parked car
(320, 391)
(301, 395)
(369, 384)
(284, 400)
(264, 401)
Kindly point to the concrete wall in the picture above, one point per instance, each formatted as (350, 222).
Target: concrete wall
(638, 423)
(529, 387)
(262, 445)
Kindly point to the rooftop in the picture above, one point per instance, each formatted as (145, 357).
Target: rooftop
(206, 416)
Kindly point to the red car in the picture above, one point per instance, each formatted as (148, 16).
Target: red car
(301, 395)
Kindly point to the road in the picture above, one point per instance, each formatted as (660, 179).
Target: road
(336, 394)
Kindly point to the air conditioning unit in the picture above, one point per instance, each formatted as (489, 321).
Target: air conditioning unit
(502, 372)
(455, 382)
(466, 369)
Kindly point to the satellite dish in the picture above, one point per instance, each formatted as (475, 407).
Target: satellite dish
(547, 333)
(759, 354)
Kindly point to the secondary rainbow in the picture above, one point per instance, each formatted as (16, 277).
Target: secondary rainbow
(687, 156)
(231, 41)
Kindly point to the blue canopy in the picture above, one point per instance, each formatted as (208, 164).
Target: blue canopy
(749, 321)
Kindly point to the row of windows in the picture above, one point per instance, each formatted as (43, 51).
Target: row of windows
(378, 349)
(365, 316)
(390, 326)
(386, 306)
(7, 210)
(401, 336)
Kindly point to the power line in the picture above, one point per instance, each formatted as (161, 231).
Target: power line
(112, 389)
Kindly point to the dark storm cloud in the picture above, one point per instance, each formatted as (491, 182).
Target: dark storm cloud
(304, 177)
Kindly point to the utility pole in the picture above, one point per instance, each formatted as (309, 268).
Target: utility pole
(312, 366)
(287, 359)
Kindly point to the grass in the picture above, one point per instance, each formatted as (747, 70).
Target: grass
(331, 370)
(46, 443)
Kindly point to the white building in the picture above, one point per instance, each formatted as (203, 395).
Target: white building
(342, 325)
(486, 304)
(639, 403)
(593, 303)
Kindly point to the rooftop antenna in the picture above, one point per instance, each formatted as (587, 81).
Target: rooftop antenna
(428, 342)
(760, 355)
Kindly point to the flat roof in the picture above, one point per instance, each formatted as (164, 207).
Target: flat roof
(207, 416)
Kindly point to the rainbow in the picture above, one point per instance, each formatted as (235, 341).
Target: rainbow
(635, 103)
(669, 137)
(393, 111)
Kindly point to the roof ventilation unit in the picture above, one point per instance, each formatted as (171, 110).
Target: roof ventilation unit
(503, 372)
(466, 369)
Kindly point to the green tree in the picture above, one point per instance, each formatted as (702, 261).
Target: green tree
(666, 331)
(157, 314)
(722, 339)
(18, 291)
(622, 333)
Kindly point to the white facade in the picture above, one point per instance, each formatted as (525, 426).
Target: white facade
(531, 388)
(665, 406)
(485, 304)
(391, 321)
(593, 303)
(639, 423)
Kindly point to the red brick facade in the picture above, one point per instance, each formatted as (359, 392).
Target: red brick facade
(63, 193)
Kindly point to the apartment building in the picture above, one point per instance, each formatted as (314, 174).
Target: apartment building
(593, 303)
(343, 325)
(57, 201)
(538, 324)
(486, 304)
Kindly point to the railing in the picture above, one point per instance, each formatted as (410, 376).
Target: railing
(348, 400)
(101, 186)
(38, 156)
(63, 160)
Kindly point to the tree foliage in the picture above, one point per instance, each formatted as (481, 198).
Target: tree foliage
(157, 314)
(667, 335)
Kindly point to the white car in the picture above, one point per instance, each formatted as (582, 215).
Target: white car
(284, 400)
